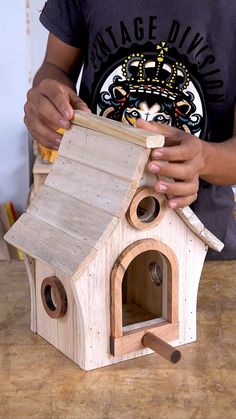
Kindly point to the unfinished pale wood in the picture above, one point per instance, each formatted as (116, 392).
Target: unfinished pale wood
(132, 342)
(39, 180)
(41, 169)
(161, 347)
(94, 187)
(196, 226)
(144, 223)
(193, 222)
(120, 158)
(77, 191)
(80, 220)
(141, 288)
(117, 129)
(117, 276)
(132, 313)
(63, 333)
(190, 252)
(84, 333)
(48, 244)
(30, 267)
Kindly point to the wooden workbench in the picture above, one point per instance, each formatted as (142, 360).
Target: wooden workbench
(37, 381)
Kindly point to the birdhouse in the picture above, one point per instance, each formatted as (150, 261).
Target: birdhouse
(113, 271)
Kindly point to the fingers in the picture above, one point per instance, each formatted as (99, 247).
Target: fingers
(59, 96)
(157, 127)
(181, 170)
(181, 202)
(79, 104)
(179, 194)
(39, 106)
(182, 192)
(188, 147)
(44, 134)
(180, 159)
(50, 106)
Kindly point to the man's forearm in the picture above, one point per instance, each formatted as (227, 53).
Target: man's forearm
(50, 71)
(220, 162)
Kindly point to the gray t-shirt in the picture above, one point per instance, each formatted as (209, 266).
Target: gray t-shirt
(171, 62)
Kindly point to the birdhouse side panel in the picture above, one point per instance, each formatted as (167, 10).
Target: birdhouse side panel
(60, 326)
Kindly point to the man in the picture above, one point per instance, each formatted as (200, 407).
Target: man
(142, 65)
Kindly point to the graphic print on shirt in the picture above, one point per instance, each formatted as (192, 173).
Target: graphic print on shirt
(153, 86)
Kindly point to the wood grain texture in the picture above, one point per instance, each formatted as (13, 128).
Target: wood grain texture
(117, 276)
(38, 381)
(161, 347)
(103, 152)
(117, 129)
(190, 252)
(30, 268)
(143, 298)
(188, 217)
(80, 220)
(63, 333)
(46, 243)
(41, 169)
(193, 222)
(94, 187)
(79, 205)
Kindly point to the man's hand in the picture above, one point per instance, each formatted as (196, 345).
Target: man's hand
(180, 159)
(50, 106)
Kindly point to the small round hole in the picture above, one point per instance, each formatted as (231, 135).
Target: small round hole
(156, 274)
(148, 209)
(54, 297)
(50, 298)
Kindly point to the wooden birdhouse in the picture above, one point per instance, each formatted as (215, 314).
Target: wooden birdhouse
(113, 271)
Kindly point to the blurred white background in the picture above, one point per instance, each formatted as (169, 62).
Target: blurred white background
(22, 46)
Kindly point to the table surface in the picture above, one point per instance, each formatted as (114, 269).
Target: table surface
(37, 381)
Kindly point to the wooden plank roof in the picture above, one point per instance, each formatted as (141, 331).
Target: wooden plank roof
(87, 192)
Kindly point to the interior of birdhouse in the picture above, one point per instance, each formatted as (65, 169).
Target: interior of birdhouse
(144, 289)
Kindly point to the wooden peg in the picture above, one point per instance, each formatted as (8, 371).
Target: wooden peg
(162, 348)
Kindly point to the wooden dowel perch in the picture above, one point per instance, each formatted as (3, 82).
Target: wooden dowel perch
(126, 132)
(162, 348)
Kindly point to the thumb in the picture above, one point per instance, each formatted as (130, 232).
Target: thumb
(157, 127)
(78, 103)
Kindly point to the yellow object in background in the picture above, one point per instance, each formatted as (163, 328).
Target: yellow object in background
(47, 154)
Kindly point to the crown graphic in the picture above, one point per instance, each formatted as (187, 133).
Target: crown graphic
(155, 74)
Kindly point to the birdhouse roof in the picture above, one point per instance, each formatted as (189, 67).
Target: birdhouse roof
(89, 189)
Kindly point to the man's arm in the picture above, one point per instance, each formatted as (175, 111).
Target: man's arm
(53, 97)
(186, 158)
(220, 162)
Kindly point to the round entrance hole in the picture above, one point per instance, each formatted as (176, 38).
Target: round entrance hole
(146, 209)
(54, 297)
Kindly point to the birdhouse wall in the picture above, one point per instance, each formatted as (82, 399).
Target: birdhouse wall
(63, 333)
(93, 286)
